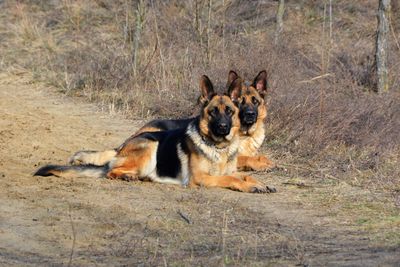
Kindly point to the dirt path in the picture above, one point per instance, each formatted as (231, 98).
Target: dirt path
(82, 221)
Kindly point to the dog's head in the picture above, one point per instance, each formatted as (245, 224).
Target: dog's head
(219, 119)
(251, 103)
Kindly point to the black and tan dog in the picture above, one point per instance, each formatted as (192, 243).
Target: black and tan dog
(204, 153)
(252, 114)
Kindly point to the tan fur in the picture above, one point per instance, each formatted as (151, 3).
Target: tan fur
(134, 160)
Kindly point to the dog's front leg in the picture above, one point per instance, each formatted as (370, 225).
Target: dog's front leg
(255, 163)
(247, 184)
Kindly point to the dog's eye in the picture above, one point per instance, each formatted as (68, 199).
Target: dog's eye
(255, 101)
(213, 112)
(229, 111)
(243, 101)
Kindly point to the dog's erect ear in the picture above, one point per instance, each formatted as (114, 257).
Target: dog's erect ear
(231, 77)
(235, 89)
(207, 89)
(260, 82)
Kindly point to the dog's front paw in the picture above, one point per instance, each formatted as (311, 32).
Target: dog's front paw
(255, 186)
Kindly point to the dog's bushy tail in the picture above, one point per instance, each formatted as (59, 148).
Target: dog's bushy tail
(68, 171)
(88, 157)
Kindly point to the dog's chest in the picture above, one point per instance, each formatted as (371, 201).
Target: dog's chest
(224, 165)
(218, 161)
(249, 144)
(211, 159)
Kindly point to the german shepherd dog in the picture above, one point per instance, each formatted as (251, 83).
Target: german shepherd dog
(204, 153)
(252, 114)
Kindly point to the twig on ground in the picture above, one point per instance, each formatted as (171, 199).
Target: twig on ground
(317, 78)
(298, 184)
(184, 217)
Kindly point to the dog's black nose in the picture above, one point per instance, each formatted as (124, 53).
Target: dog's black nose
(223, 126)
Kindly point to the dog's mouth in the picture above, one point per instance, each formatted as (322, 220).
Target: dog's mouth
(249, 121)
(222, 136)
(221, 133)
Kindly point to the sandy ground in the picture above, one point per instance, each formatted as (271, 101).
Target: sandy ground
(82, 221)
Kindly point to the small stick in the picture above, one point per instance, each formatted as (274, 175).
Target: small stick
(184, 217)
(317, 78)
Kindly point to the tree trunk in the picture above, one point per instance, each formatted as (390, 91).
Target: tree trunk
(395, 12)
(381, 56)
(279, 20)
(208, 32)
(140, 13)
